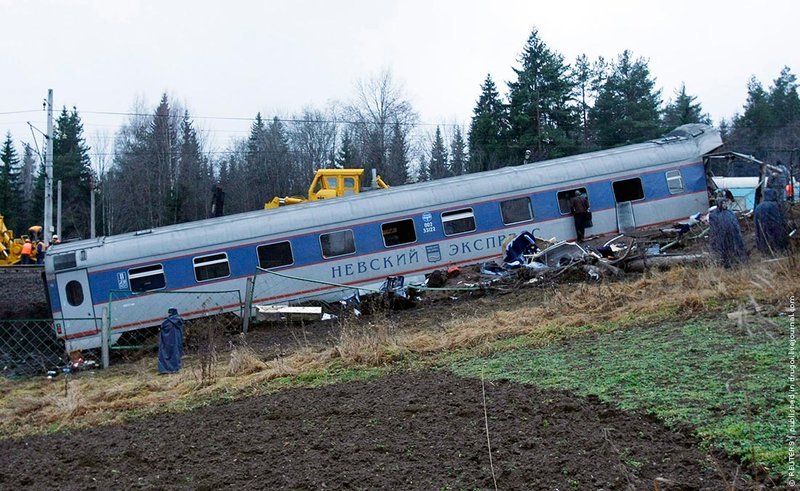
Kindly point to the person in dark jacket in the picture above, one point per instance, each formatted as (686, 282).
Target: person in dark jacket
(772, 234)
(725, 236)
(170, 346)
(579, 206)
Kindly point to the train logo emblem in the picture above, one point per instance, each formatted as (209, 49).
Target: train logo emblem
(434, 253)
(427, 223)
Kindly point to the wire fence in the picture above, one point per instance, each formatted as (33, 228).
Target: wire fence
(132, 322)
(29, 347)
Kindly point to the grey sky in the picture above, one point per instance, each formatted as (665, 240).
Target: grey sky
(234, 58)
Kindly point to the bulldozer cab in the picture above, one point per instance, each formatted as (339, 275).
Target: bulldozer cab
(330, 183)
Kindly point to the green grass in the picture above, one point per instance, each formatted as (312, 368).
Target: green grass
(713, 378)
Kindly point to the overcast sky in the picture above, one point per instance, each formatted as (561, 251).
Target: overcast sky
(231, 59)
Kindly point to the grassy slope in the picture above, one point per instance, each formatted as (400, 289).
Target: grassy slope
(726, 381)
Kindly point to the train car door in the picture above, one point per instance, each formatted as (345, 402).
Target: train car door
(77, 308)
(626, 192)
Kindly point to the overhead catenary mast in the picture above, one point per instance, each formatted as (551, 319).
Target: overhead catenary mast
(48, 171)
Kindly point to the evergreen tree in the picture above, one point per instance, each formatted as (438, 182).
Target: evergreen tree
(543, 115)
(71, 166)
(257, 188)
(193, 187)
(164, 148)
(487, 149)
(684, 110)
(458, 155)
(423, 173)
(347, 157)
(9, 171)
(768, 127)
(281, 169)
(397, 158)
(627, 107)
(437, 168)
(27, 179)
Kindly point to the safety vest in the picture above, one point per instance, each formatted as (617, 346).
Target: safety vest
(27, 248)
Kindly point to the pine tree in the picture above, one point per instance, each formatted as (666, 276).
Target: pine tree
(486, 139)
(627, 107)
(281, 168)
(71, 166)
(437, 168)
(27, 177)
(163, 146)
(397, 159)
(684, 110)
(193, 186)
(347, 157)
(257, 186)
(423, 173)
(458, 156)
(9, 195)
(543, 115)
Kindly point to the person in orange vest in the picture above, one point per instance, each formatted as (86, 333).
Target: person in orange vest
(27, 250)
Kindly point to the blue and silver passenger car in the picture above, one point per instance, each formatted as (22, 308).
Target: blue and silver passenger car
(323, 248)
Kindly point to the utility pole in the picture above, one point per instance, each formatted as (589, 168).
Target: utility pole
(92, 232)
(48, 170)
(58, 212)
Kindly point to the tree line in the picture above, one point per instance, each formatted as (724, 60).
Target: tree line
(159, 171)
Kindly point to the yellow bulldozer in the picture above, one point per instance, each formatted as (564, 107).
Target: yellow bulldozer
(11, 248)
(329, 183)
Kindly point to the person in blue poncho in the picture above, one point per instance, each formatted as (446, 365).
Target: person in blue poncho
(725, 235)
(170, 346)
(772, 234)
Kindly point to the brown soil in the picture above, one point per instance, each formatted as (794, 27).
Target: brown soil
(406, 431)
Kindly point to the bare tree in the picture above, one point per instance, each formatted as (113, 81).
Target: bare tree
(379, 107)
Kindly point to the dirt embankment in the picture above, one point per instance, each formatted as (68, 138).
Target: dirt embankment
(22, 294)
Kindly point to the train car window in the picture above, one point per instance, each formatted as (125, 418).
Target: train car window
(675, 182)
(337, 243)
(64, 261)
(628, 190)
(74, 292)
(147, 278)
(211, 267)
(564, 197)
(398, 233)
(275, 255)
(458, 221)
(516, 210)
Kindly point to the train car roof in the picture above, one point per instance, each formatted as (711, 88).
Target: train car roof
(686, 142)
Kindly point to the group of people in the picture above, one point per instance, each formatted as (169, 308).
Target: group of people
(771, 230)
(34, 254)
(726, 240)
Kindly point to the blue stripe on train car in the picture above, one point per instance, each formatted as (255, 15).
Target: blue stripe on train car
(179, 272)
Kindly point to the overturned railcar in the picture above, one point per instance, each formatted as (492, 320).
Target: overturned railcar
(323, 249)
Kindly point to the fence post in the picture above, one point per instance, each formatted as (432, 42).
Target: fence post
(104, 330)
(248, 303)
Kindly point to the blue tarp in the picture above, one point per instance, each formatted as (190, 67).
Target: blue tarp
(170, 347)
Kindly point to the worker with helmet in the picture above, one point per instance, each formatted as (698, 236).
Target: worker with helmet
(55, 240)
(27, 250)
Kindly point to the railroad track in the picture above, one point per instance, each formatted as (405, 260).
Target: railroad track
(19, 269)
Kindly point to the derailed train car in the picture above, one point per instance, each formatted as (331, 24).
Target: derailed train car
(323, 249)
